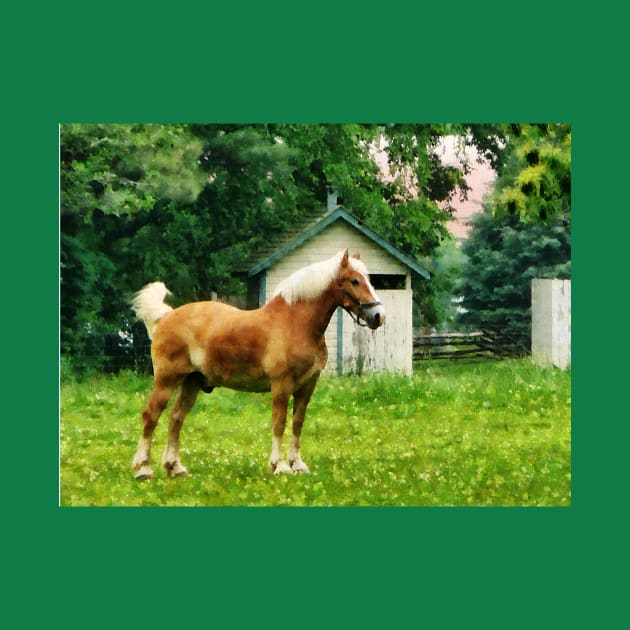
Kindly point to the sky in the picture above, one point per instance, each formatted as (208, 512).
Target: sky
(480, 181)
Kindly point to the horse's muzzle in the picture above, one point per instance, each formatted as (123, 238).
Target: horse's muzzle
(374, 316)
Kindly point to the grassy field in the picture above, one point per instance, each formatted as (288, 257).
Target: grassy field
(488, 433)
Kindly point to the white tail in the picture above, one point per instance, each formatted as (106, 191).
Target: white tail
(149, 305)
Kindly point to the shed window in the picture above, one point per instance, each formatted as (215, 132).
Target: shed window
(388, 281)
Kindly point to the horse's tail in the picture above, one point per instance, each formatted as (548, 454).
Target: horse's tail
(149, 305)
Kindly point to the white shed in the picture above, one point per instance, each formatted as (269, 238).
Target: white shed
(351, 349)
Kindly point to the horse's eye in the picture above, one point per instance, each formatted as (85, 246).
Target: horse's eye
(354, 282)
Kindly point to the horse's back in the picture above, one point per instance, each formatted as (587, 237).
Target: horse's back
(234, 348)
(196, 315)
(226, 344)
(203, 324)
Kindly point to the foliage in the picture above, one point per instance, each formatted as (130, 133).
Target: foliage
(446, 266)
(535, 176)
(120, 187)
(504, 254)
(495, 433)
(186, 203)
(403, 207)
(524, 231)
(124, 169)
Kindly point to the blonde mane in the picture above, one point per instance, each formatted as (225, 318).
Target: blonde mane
(310, 282)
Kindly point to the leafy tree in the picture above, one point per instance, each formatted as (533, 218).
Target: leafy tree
(178, 202)
(404, 207)
(115, 180)
(336, 156)
(533, 162)
(303, 161)
(250, 194)
(124, 169)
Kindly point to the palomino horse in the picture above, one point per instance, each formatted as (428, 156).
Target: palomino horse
(279, 348)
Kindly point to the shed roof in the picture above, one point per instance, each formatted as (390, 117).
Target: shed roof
(316, 223)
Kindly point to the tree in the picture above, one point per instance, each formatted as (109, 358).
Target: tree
(524, 231)
(404, 204)
(534, 168)
(124, 169)
(185, 203)
(446, 265)
(250, 195)
(503, 255)
(115, 181)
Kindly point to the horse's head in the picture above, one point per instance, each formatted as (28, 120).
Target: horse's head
(357, 293)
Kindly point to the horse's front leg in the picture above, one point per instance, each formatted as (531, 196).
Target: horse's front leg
(301, 399)
(280, 392)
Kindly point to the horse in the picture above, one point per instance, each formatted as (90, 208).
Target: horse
(279, 347)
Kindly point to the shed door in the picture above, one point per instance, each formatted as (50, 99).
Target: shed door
(388, 348)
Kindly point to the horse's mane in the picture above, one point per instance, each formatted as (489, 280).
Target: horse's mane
(310, 282)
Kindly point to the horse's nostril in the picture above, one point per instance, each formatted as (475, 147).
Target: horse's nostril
(377, 317)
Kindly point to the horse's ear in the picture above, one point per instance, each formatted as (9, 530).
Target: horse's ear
(344, 259)
(357, 255)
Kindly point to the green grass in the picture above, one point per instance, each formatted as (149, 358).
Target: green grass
(489, 433)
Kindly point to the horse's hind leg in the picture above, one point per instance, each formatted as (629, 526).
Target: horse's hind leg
(159, 399)
(183, 404)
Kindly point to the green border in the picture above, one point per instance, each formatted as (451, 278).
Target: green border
(517, 568)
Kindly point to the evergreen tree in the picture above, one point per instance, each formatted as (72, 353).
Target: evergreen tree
(503, 255)
(524, 231)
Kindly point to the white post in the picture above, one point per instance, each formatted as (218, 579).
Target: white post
(551, 322)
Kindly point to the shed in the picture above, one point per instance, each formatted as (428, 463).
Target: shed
(351, 349)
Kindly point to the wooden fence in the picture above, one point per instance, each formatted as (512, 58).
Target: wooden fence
(481, 343)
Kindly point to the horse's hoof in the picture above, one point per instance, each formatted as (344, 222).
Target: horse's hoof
(144, 473)
(299, 467)
(178, 471)
(281, 467)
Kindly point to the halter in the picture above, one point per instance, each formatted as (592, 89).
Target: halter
(361, 307)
